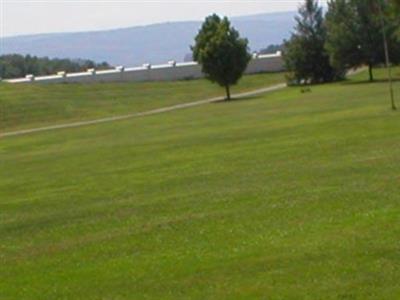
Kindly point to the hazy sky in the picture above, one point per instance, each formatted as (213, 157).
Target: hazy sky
(39, 16)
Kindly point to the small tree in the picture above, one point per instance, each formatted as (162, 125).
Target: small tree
(223, 55)
(355, 34)
(305, 56)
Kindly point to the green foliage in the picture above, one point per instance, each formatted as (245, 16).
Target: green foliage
(221, 52)
(395, 14)
(355, 34)
(249, 199)
(304, 54)
(15, 65)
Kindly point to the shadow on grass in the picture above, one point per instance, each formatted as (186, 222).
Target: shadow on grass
(235, 99)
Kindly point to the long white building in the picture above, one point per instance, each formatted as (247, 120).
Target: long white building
(167, 72)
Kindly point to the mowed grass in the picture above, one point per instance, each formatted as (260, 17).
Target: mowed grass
(24, 106)
(289, 195)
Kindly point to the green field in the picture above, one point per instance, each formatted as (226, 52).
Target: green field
(288, 195)
(26, 105)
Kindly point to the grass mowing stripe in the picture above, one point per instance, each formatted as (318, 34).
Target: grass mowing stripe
(142, 114)
(286, 195)
(29, 106)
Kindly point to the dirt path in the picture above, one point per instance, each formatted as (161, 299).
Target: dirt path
(140, 114)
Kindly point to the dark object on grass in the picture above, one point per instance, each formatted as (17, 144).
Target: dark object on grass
(305, 90)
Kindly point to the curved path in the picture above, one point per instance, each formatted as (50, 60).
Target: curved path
(140, 114)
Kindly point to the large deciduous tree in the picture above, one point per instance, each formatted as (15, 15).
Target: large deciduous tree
(222, 54)
(355, 34)
(305, 56)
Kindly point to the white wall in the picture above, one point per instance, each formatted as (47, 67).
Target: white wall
(167, 72)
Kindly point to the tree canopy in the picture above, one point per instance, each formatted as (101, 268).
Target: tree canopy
(355, 33)
(15, 65)
(305, 56)
(221, 52)
(395, 10)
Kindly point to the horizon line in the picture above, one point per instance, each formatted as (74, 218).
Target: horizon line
(137, 26)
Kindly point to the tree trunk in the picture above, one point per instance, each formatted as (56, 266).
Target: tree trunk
(228, 92)
(371, 74)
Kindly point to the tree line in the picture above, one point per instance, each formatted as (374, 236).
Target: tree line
(271, 49)
(15, 65)
(322, 47)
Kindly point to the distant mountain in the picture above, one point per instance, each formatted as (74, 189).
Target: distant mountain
(154, 44)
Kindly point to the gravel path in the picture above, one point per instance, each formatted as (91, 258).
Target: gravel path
(140, 114)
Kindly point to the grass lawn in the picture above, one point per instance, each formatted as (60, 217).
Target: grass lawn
(289, 195)
(26, 105)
